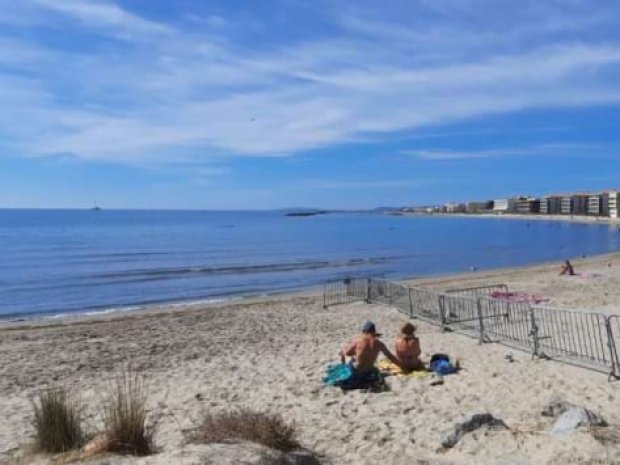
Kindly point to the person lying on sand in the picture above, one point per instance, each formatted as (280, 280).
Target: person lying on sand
(365, 350)
(408, 349)
(567, 269)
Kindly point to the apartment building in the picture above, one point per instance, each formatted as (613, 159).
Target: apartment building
(613, 203)
(454, 207)
(504, 205)
(566, 205)
(551, 205)
(595, 203)
(598, 204)
(605, 203)
(580, 204)
(478, 207)
(527, 205)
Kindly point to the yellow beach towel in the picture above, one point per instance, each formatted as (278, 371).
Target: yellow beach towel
(388, 367)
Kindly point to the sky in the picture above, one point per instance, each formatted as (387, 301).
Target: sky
(248, 104)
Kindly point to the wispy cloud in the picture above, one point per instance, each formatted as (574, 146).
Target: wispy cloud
(100, 14)
(178, 94)
(558, 149)
(367, 184)
(488, 132)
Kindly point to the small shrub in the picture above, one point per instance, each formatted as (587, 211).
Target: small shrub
(125, 415)
(244, 425)
(57, 422)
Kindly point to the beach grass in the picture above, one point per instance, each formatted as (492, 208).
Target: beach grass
(57, 421)
(267, 429)
(125, 416)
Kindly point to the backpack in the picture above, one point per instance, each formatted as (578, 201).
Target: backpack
(440, 363)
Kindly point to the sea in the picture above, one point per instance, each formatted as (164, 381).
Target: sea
(60, 262)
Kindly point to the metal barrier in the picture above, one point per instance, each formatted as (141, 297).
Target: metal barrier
(478, 291)
(585, 339)
(399, 297)
(345, 291)
(379, 291)
(462, 313)
(507, 322)
(387, 292)
(613, 327)
(577, 337)
(425, 304)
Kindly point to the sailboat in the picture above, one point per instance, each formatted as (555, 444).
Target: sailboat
(96, 208)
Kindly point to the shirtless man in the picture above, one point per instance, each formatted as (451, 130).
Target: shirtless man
(365, 349)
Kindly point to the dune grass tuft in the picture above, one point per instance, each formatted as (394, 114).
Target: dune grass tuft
(125, 416)
(245, 425)
(57, 422)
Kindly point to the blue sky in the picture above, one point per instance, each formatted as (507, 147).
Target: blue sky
(278, 103)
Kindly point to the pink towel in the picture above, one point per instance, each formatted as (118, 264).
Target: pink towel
(588, 275)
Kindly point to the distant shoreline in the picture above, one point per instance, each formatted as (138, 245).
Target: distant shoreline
(516, 216)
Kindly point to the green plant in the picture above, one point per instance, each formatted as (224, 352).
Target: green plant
(125, 416)
(57, 421)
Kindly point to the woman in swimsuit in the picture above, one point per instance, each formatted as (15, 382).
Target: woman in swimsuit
(408, 349)
(567, 269)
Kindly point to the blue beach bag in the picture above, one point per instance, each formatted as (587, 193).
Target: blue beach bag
(440, 363)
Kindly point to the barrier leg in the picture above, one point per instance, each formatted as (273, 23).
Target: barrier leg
(536, 336)
(534, 333)
(613, 351)
(442, 313)
(410, 303)
(325, 296)
(480, 322)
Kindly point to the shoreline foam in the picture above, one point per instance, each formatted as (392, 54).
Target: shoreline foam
(313, 289)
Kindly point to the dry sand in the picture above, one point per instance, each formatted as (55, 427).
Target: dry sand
(270, 355)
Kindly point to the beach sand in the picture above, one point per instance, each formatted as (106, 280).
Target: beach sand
(270, 355)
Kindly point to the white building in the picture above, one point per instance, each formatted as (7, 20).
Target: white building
(566, 205)
(575, 204)
(614, 203)
(526, 205)
(551, 205)
(454, 207)
(595, 204)
(504, 205)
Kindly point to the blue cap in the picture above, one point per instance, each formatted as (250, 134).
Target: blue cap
(369, 327)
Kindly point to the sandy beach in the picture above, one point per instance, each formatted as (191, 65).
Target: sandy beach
(270, 355)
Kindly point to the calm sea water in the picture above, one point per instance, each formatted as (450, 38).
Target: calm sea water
(75, 261)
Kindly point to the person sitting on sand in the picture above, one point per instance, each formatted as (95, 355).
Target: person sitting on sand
(364, 350)
(567, 269)
(408, 349)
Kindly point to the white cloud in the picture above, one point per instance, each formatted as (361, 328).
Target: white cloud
(102, 14)
(320, 184)
(214, 21)
(557, 149)
(176, 95)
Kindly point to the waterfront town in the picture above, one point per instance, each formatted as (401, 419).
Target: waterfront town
(601, 204)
